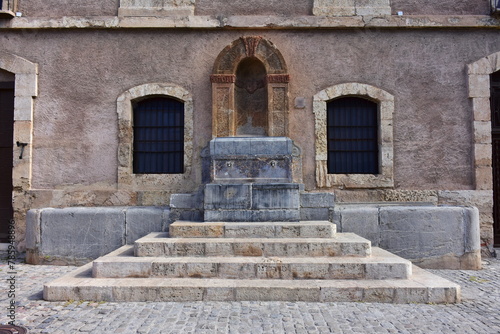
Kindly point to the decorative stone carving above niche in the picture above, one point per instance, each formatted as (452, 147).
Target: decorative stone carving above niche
(351, 7)
(156, 7)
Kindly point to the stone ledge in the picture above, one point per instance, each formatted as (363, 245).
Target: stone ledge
(77, 235)
(7, 14)
(251, 22)
(444, 237)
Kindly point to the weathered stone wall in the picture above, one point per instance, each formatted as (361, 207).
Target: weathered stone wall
(76, 236)
(441, 7)
(260, 7)
(429, 236)
(83, 72)
(59, 8)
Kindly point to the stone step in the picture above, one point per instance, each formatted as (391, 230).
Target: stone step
(342, 244)
(304, 229)
(422, 287)
(381, 265)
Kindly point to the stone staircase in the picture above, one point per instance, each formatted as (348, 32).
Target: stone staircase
(252, 245)
(266, 261)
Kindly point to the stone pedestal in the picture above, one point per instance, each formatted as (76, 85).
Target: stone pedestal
(251, 180)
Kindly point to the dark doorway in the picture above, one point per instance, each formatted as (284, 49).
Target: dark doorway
(6, 135)
(495, 135)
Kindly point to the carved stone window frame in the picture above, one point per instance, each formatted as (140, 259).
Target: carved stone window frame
(126, 177)
(223, 85)
(385, 102)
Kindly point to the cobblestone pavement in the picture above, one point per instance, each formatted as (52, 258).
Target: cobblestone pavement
(479, 311)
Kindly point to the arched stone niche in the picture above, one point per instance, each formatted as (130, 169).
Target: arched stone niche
(250, 90)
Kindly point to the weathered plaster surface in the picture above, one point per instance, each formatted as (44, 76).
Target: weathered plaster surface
(82, 74)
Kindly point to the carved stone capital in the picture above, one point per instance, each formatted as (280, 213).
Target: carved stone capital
(222, 78)
(278, 78)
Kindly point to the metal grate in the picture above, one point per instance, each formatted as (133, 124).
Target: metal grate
(352, 125)
(159, 136)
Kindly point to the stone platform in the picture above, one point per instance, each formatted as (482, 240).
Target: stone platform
(272, 261)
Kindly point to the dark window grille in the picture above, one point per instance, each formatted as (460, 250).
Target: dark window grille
(159, 136)
(352, 125)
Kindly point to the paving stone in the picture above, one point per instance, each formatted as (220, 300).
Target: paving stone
(478, 312)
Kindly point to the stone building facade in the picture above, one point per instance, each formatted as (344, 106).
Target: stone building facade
(80, 67)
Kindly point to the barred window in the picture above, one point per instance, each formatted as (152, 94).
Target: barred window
(158, 136)
(352, 136)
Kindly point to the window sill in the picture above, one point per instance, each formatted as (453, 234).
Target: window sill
(7, 14)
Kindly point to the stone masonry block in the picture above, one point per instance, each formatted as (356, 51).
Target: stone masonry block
(307, 214)
(140, 221)
(252, 215)
(359, 219)
(483, 154)
(251, 146)
(425, 232)
(227, 196)
(481, 107)
(482, 132)
(183, 201)
(23, 108)
(275, 196)
(81, 232)
(317, 200)
(365, 11)
(479, 85)
(249, 231)
(33, 229)
(26, 84)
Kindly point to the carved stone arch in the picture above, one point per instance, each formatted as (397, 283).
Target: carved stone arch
(251, 46)
(223, 78)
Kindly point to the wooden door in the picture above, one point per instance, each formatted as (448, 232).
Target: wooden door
(6, 135)
(495, 136)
